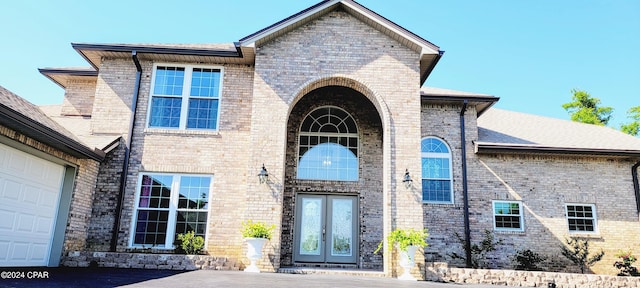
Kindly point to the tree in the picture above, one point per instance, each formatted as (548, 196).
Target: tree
(586, 109)
(478, 251)
(632, 128)
(578, 252)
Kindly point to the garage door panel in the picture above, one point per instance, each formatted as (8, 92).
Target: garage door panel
(30, 188)
(20, 251)
(17, 164)
(4, 250)
(7, 219)
(43, 225)
(30, 195)
(11, 189)
(25, 223)
(48, 199)
(38, 251)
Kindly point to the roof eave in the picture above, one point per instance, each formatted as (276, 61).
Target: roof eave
(34, 129)
(50, 72)
(81, 47)
(431, 66)
(482, 102)
(490, 148)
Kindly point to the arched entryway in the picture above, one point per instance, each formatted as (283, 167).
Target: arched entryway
(333, 188)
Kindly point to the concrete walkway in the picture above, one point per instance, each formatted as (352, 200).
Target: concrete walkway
(107, 277)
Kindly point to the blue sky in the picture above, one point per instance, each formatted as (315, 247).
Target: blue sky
(528, 53)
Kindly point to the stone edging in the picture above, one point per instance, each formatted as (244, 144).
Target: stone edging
(442, 273)
(147, 261)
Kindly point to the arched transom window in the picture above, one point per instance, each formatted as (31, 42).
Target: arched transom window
(436, 171)
(328, 148)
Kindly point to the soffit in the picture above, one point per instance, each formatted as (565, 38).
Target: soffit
(62, 76)
(191, 53)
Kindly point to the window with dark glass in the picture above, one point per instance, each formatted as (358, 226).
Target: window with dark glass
(581, 217)
(507, 216)
(168, 205)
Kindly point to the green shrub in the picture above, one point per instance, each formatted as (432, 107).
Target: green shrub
(190, 243)
(528, 260)
(252, 229)
(405, 238)
(478, 251)
(625, 266)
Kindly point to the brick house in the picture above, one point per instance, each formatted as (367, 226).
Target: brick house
(330, 102)
(47, 179)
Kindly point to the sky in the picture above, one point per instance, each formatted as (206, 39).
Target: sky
(531, 54)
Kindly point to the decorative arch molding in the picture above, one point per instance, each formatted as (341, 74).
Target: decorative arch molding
(384, 113)
(344, 81)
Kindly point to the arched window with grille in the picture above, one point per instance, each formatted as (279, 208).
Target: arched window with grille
(437, 182)
(328, 146)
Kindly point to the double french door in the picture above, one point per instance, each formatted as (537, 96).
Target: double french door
(326, 229)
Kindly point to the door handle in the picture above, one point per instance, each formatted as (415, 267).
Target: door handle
(323, 233)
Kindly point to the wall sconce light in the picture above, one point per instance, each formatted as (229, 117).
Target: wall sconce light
(263, 175)
(406, 180)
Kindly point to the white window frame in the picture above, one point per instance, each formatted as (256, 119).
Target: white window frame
(594, 219)
(355, 134)
(173, 208)
(186, 88)
(439, 155)
(520, 216)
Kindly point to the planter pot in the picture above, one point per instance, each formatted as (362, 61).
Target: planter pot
(254, 253)
(407, 261)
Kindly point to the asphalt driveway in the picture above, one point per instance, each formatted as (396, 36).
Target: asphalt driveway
(109, 277)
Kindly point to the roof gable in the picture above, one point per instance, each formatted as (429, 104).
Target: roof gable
(429, 53)
(362, 13)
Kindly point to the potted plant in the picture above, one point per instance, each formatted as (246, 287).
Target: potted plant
(256, 234)
(408, 241)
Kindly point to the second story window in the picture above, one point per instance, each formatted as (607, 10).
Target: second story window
(185, 97)
(328, 148)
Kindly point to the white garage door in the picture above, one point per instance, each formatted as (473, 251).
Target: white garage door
(29, 194)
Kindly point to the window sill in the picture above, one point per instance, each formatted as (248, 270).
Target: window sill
(589, 235)
(160, 131)
(510, 232)
(442, 204)
(150, 250)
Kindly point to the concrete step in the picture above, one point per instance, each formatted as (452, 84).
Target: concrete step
(331, 271)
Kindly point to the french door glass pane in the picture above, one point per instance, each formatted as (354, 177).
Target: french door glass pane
(311, 226)
(342, 238)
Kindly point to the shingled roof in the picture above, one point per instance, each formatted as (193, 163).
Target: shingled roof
(502, 130)
(26, 118)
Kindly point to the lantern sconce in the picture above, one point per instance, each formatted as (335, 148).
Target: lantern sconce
(263, 176)
(406, 180)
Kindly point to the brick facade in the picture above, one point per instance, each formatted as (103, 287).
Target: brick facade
(545, 184)
(336, 60)
(79, 96)
(445, 220)
(105, 200)
(114, 91)
(287, 67)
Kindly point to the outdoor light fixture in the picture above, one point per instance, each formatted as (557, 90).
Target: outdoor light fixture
(263, 175)
(407, 181)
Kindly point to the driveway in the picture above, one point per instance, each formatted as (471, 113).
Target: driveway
(108, 277)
